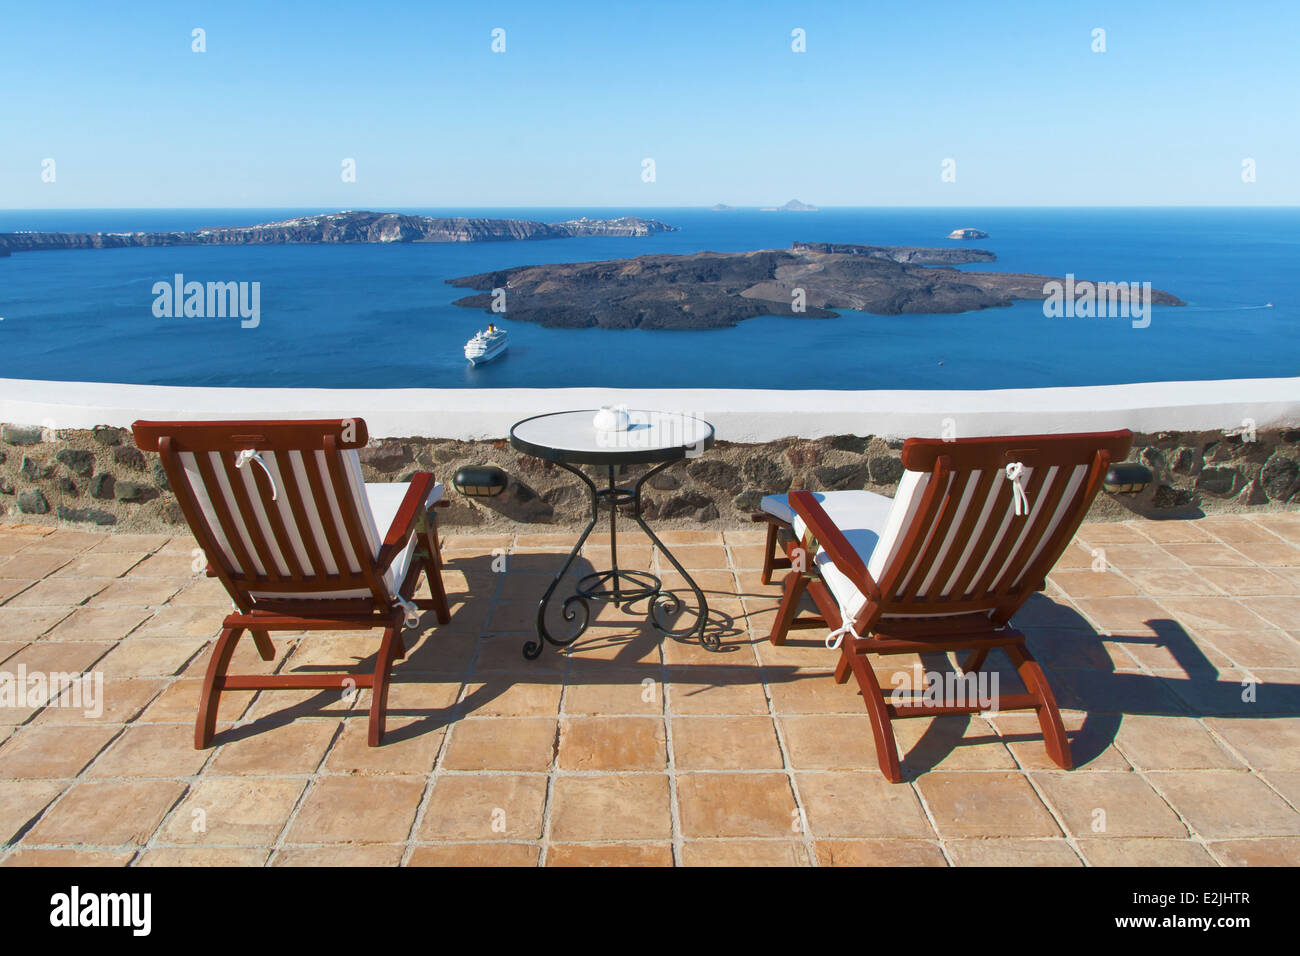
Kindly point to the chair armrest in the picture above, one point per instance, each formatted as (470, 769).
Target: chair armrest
(833, 542)
(411, 510)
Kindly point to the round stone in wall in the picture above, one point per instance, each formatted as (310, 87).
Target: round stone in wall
(1280, 477)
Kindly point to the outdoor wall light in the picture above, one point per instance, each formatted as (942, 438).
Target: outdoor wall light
(1127, 478)
(480, 481)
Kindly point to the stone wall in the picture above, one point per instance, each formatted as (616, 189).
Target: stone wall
(98, 477)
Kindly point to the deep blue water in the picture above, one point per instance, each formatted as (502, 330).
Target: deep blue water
(381, 316)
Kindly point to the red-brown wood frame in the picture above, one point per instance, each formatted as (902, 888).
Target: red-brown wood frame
(978, 613)
(263, 614)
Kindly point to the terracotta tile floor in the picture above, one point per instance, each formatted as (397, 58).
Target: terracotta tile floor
(1175, 655)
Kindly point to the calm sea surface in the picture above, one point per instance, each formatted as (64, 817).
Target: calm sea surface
(381, 316)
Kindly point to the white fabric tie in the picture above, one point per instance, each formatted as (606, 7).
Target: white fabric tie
(1015, 471)
(252, 454)
(408, 607)
(836, 637)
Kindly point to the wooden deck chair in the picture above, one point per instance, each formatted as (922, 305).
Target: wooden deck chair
(285, 520)
(972, 532)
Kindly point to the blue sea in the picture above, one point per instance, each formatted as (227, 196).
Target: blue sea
(381, 316)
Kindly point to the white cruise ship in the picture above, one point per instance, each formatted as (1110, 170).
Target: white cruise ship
(486, 345)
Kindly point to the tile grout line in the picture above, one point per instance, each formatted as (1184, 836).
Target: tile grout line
(787, 766)
(278, 843)
(677, 840)
(436, 772)
(1144, 669)
(77, 778)
(1194, 835)
(676, 833)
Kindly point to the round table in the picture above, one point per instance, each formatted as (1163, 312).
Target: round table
(652, 438)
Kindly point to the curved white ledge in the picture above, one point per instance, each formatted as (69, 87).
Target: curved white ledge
(738, 415)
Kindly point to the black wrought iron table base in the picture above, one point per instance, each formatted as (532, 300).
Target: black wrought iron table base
(618, 585)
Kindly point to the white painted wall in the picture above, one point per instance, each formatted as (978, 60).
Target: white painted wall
(740, 415)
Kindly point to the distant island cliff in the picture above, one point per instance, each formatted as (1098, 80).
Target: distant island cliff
(793, 205)
(709, 290)
(341, 227)
(912, 255)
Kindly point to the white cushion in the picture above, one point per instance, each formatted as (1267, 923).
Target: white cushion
(862, 516)
(386, 498)
(385, 501)
(779, 505)
(871, 523)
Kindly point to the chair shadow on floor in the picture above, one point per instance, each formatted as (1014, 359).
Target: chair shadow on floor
(620, 645)
(426, 660)
(1084, 678)
(500, 608)
(1106, 694)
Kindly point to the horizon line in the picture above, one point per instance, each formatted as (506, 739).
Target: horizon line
(375, 207)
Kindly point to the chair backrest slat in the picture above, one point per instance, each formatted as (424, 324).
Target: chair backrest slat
(287, 549)
(990, 524)
(1014, 530)
(953, 543)
(1057, 538)
(1045, 506)
(250, 527)
(974, 498)
(286, 475)
(936, 510)
(1044, 501)
(213, 495)
(350, 517)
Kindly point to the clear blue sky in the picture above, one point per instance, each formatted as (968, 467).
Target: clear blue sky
(585, 91)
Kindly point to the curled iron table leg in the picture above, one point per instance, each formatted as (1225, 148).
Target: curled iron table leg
(609, 585)
(712, 642)
(533, 649)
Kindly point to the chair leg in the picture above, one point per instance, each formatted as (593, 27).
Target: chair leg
(874, 698)
(769, 553)
(1049, 714)
(206, 723)
(794, 586)
(379, 689)
(264, 646)
(433, 571)
(845, 667)
(974, 660)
